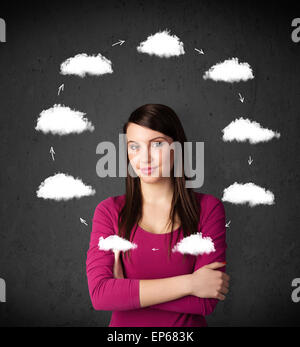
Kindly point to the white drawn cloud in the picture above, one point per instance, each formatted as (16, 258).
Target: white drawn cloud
(229, 70)
(115, 243)
(244, 129)
(62, 120)
(62, 186)
(162, 44)
(83, 64)
(195, 244)
(250, 193)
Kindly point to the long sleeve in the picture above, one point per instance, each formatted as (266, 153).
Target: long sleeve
(106, 292)
(214, 227)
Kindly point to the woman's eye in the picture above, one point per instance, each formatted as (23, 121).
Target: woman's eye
(133, 147)
(159, 143)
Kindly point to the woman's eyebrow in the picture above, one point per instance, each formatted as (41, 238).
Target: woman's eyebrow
(158, 137)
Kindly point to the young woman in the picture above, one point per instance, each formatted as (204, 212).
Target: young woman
(149, 285)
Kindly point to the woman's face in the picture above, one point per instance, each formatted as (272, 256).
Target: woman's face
(149, 148)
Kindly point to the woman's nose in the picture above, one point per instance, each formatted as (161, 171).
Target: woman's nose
(145, 156)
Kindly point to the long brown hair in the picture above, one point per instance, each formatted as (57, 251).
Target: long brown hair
(160, 118)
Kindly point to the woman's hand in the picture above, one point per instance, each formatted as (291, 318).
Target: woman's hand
(118, 269)
(209, 283)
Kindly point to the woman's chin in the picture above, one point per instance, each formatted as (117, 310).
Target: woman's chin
(149, 178)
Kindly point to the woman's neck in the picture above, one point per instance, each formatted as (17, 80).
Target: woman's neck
(158, 193)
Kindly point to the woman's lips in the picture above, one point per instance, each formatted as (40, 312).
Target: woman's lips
(148, 169)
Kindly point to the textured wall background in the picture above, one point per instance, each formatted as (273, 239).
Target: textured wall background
(43, 245)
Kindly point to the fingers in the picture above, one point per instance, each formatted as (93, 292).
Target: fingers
(224, 290)
(220, 296)
(215, 265)
(225, 276)
(226, 284)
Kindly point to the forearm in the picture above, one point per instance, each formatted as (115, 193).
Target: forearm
(189, 304)
(156, 291)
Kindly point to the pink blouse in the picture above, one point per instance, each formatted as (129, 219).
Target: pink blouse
(149, 260)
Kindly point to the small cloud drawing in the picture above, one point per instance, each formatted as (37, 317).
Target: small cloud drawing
(229, 70)
(115, 243)
(244, 129)
(62, 186)
(162, 44)
(83, 64)
(250, 193)
(195, 244)
(62, 120)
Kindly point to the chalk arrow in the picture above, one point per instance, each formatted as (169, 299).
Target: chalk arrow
(241, 98)
(250, 160)
(199, 50)
(52, 152)
(61, 87)
(155, 249)
(227, 224)
(120, 42)
(83, 221)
